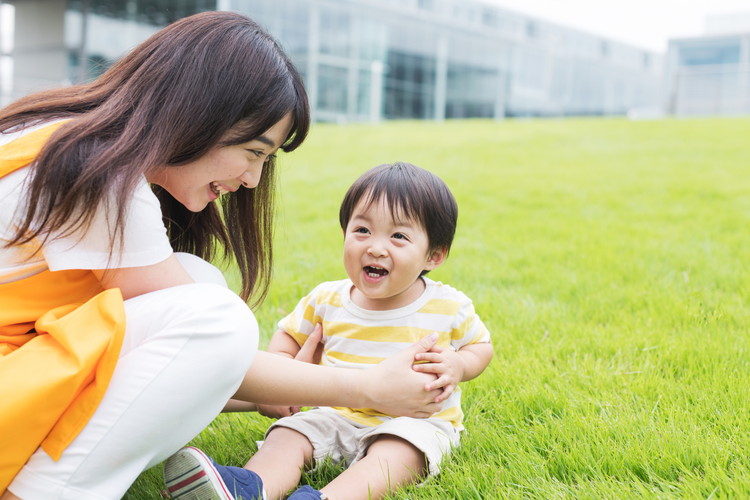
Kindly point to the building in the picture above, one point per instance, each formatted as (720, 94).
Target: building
(365, 60)
(710, 75)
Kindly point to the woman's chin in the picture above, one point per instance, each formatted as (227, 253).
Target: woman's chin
(196, 206)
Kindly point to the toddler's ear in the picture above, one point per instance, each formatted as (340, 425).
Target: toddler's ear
(435, 258)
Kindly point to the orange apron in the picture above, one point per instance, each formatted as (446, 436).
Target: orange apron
(60, 339)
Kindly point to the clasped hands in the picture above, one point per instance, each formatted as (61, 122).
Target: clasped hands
(437, 369)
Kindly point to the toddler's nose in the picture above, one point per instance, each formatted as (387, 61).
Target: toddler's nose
(376, 251)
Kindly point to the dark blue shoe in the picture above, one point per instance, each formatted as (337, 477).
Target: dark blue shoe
(190, 474)
(306, 493)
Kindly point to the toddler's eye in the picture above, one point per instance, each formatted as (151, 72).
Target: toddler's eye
(362, 230)
(400, 236)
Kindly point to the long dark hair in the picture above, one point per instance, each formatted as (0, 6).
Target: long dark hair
(166, 103)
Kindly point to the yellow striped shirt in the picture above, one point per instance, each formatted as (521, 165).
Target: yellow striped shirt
(354, 337)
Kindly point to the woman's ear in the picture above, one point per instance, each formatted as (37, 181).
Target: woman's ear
(435, 258)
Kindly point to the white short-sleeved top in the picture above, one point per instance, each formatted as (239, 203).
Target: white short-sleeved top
(145, 237)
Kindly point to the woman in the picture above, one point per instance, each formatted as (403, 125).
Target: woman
(115, 350)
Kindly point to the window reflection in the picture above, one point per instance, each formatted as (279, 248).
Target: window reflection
(98, 32)
(362, 62)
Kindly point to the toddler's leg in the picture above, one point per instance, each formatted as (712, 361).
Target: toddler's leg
(390, 462)
(279, 462)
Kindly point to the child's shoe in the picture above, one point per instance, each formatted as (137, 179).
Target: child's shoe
(190, 474)
(306, 493)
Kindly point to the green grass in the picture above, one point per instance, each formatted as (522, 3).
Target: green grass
(609, 259)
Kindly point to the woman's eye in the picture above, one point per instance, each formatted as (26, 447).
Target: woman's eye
(255, 152)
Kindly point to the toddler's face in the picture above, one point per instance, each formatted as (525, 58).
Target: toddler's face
(384, 257)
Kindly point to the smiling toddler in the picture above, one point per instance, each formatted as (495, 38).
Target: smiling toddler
(398, 222)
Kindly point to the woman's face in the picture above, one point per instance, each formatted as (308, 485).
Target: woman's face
(223, 169)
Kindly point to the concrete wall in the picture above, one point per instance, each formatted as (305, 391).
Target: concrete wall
(39, 54)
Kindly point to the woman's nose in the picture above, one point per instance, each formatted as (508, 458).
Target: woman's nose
(251, 177)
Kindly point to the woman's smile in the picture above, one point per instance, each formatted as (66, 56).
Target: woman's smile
(224, 169)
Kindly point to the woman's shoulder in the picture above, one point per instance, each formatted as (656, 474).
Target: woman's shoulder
(18, 131)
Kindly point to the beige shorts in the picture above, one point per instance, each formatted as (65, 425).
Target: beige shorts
(343, 441)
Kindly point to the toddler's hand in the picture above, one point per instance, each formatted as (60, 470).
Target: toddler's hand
(312, 349)
(446, 364)
(393, 387)
(272, 411)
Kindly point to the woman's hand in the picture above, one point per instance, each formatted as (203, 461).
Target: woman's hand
(392, 386)
(395, 388)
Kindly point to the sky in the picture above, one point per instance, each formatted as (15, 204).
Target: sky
(645, 23)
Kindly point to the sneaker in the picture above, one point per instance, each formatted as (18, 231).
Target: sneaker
(306, 493)
(190, 474)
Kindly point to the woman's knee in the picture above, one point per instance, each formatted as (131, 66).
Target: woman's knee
(228, 320)
(213, 324)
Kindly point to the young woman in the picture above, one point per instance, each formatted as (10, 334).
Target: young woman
(118, 341)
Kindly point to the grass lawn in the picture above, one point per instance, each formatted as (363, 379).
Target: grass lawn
(609, 259)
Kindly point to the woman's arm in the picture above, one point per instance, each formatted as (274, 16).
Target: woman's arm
(392, 386)
(282, 344)
(135, 281)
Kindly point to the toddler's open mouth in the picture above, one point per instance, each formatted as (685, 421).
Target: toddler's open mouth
(375, 272)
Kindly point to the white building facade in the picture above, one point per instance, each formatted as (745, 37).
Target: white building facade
(364, 60)
(710, 75)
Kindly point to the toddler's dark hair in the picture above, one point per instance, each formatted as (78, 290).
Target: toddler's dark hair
(411, 193)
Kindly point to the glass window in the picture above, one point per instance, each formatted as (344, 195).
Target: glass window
(371, 36)
(489, 18)
(723, 53)
(364, 90)
(529, 68)
(332, 89)
(471, 91)
(115, 26)
(531, 30)
(409, 86)
(334, 33)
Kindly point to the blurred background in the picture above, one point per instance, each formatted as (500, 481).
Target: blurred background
(372, 60)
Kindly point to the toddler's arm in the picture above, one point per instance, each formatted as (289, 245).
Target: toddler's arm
(452, 367)
(283, 344)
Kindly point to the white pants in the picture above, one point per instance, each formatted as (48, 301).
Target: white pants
(185, 353)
